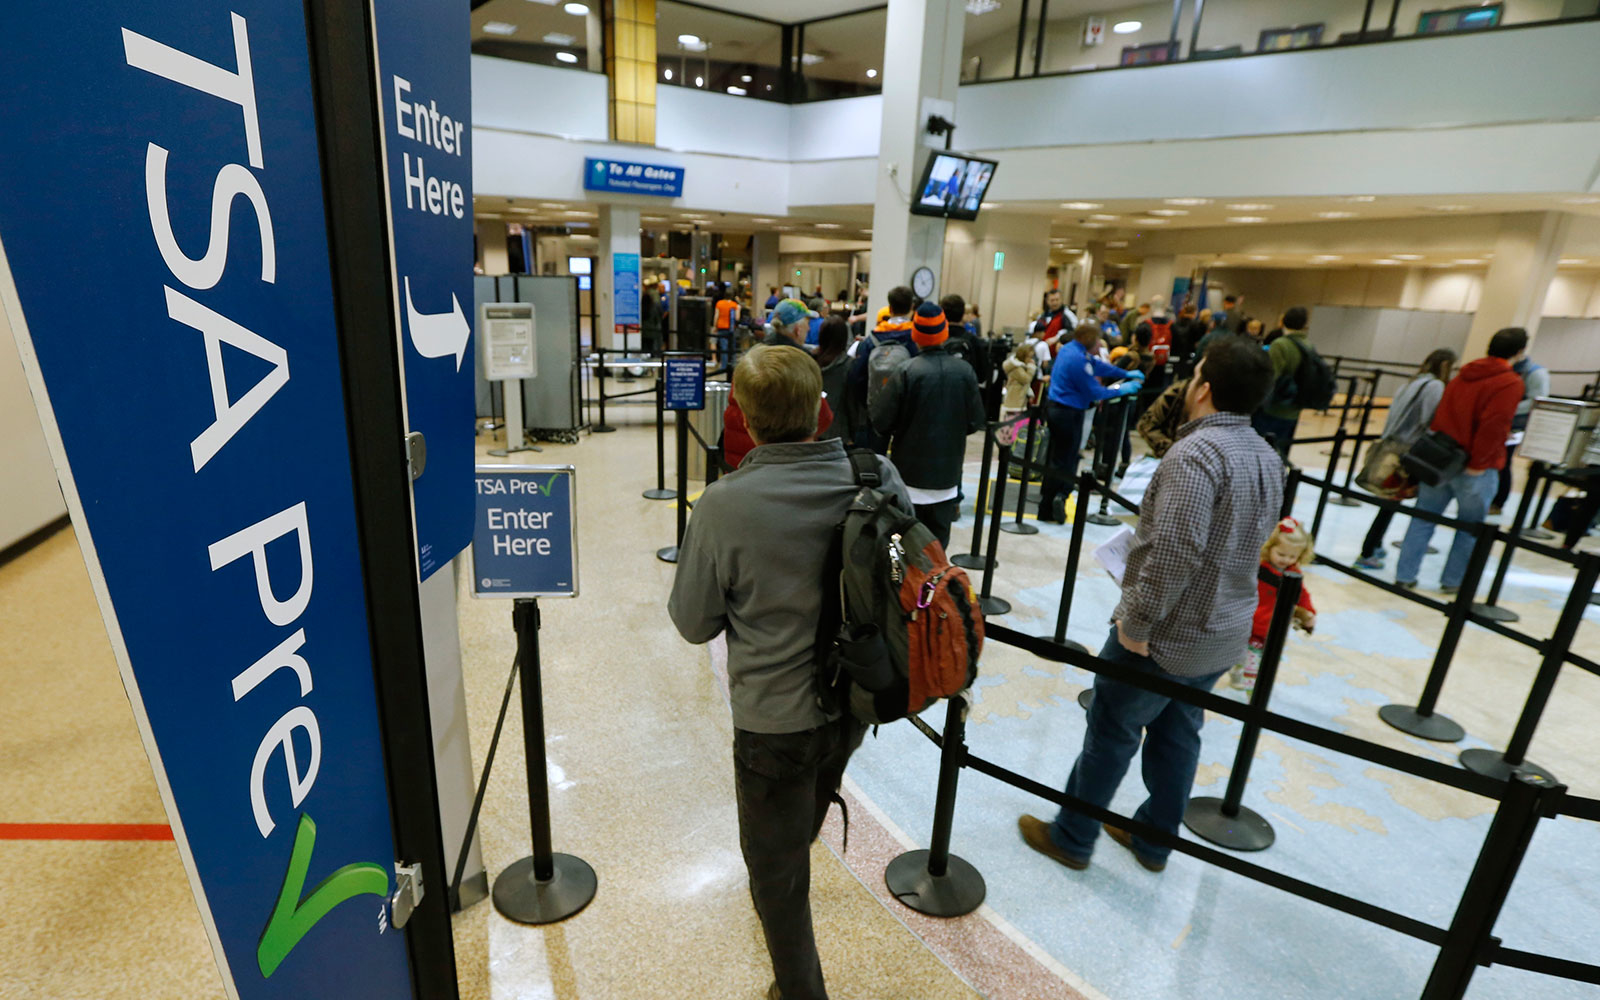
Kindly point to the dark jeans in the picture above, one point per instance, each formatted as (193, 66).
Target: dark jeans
(939, 516)
(1117, 717)
(783, 784)
(1278, 431)
(1061, 459)
(1373, 544)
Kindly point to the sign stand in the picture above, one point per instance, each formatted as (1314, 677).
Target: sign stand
(516, 439)
(683, 377)
(525, 546)
(510, 355)
(545, 887)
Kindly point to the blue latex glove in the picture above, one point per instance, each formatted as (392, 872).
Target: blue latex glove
(1128, 387)
(1136, 374)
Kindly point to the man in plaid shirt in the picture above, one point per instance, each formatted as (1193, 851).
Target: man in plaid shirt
(1188, 597)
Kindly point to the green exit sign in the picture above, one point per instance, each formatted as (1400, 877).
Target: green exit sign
(999, 260)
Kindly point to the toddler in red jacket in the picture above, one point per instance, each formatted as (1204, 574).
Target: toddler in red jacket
(1290, 547)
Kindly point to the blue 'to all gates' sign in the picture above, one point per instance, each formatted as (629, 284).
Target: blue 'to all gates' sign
(425, 86)
(685, 383)
(621, 177)
(525, 536)
(195, 411)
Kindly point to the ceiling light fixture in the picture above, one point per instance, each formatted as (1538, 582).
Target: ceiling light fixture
(557, 38)
(1249, 206)
(1117, 244)
(1169, 211)
(763, 220)
(1151, 222)
(1570, 261)
(690, 41)
(1585, 200)
(991, 204)
(1095, 225)
(1362, 198)
(1336, 215)
(566, 57)
(809, 58)
(699, 81)
(1187, 201)
(737, 91)
(1472, 261)
(578, 9)
(872, 74)
(1246, 218)
(1127, 27)
(1082, 206)
(977, 7)
(499, 28)
(1385, 261)
(667, 73)
(1324, 258)
(745, 78)
(1449, 208)
(1260, 256)
(1103, 218)
(1406, 256)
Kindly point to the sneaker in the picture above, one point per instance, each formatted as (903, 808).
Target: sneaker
(1373, 562)
(1406, 584)
(1036, 833)
(1125, 838)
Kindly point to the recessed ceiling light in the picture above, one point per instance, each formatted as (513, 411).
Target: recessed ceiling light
(991, 204)
(499, 28)
(1406, 256)
(576, 8)
(579, 215)
(1246, 218)
(1103, 218)
(1362, 198)
(557, 38)
(809, 58)
(1127, 27)
(1249, 206)
(867, 231)
(1117, 244)
(1449, 208)
(699, 81)
(745, 78)
(737, 91)
(1470, 261)
(1569, 261)
(694, 43)
(1385, 260)
(1169, 211)
(1324, 258)
(763, 220)
(829, 225)
(551, 204)
(1585, 200)
(1336, 215)
(1082, 206)
(652, 218)
(1151, 222)
(1260, 256)
(547, 3)
(1187, 201)
(667, 73)
(976, 7)
(566, 57)
(872, 74)
(1094, 225)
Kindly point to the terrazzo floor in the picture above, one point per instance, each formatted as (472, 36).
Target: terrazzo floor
(640, 778)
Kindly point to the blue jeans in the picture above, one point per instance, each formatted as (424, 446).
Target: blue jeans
(1117, 717)
(1278, 431)
(1472, 495)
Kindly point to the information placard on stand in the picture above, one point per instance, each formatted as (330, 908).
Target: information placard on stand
(685, 383)
(510, 354)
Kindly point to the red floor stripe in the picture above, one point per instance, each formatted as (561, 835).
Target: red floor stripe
(85, 831)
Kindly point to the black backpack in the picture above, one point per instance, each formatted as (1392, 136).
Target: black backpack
(1310, 386)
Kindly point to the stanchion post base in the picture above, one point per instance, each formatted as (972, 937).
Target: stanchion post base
(1537, 534)
(521, 897)
(957, 892)
(1594, 598)
(1086, 698)
(1492, 764)
(1439, 728)
(668, 554)
(994, 605)
(1494, 613)
(602, 429)
(1102, 519)
(1431, 550)
(1248, 831)
(661, 494)
(1344, 501)
(970, 560)
(1019, 528)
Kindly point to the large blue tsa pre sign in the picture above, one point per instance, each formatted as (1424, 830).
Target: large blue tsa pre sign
(195, 410)
(622, 177)
(424, 80)
(525, 539)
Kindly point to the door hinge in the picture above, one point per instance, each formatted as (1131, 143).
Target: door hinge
(407, 892)
(416, 453)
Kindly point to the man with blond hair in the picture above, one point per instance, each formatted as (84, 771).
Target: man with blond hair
(751, 565)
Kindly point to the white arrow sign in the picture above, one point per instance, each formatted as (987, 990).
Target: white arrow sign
(438, 335)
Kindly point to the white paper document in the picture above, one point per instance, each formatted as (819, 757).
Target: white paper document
(1113, 555)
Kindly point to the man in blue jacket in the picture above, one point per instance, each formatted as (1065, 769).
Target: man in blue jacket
(1074, 388)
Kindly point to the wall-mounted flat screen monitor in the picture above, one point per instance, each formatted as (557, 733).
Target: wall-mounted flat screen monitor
(578, 265)
(1443, 22)
(953, 186)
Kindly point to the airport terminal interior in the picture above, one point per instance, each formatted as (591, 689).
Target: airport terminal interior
(645, 191)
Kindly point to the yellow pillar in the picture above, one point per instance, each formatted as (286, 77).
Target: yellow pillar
(630, 45)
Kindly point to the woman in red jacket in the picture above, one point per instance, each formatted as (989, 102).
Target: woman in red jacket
(1289, 548)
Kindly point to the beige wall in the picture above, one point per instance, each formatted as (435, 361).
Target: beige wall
(29, 496)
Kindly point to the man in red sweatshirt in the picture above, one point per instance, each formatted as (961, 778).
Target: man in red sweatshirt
(1476, 412)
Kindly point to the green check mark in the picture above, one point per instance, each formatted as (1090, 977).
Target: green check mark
(293, 917)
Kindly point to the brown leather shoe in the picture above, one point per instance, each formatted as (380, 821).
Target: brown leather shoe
(1036, 833)
(1125, 838)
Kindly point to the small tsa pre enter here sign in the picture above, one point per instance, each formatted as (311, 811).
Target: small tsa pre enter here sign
(525, 536)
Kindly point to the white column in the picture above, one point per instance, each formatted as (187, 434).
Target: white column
(1526, 253)
(1155, 279)
(619, 234)
(763, 268)
(921, 61)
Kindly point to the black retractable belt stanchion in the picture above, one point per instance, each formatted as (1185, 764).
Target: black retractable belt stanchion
(1069, 580)
(1225, 822)
(1502, 765)
(1470, 940)
(1337, 360)
(1490, 608)
(1422, 721)
(1533, 529)
(545, 887)
(1114, 421)
(1327, 481)
(935, 881)
(1355, 448)
(1291, 486)
(661, 492)
(976, 559)
(670, 553)
(600, 374)
(1018, 527)
(989, 604)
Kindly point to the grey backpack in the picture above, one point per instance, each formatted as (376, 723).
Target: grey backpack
(883, 360)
